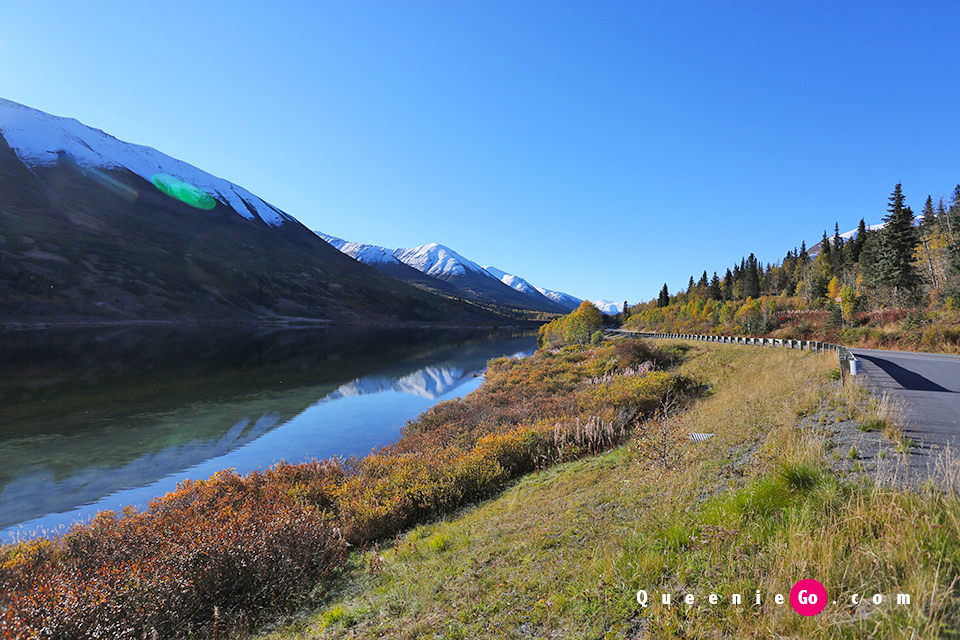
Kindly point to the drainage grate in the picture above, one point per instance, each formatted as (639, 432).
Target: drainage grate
(700, 437)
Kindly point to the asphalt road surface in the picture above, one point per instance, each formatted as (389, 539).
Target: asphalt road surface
(928, 384)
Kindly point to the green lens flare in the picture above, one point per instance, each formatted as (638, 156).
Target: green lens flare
(183, 191)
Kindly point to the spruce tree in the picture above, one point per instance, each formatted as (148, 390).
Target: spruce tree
(953, 248)
(856, 245)
(714, 291)
(664, 298)
(928, 227)
(897, 245)
(929, 220)
(836, 261)
(943, 218)
(728, 286)
(825, 250)
(751, 278)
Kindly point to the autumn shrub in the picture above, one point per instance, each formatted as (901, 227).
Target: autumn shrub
(940, 338)
(213, 556)
(631, 352)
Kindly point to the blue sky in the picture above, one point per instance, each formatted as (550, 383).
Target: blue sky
(596, 148)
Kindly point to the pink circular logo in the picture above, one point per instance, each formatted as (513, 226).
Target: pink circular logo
(808, 597)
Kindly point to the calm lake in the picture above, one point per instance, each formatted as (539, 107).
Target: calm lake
(100, 419)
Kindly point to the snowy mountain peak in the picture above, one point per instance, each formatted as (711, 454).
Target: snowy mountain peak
(40, 139)
(608, 306)
(565, 300)
(437, 261)
(512, 281)
(365, 253)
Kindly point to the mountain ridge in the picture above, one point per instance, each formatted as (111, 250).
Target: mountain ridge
(94, 229)
(444, 265)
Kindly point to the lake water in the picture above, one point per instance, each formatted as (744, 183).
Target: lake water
(100, 419)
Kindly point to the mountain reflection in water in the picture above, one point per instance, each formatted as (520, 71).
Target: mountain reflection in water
(94, 420)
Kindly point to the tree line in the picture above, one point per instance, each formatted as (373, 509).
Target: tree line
(906, 262)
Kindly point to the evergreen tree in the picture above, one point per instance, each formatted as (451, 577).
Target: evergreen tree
(943, 218)
(664, 298)
(869, 260)
(928, 228)
(751, 278)
(803, 256)
(929, 220)
(898, 242)
(953, 217)
(856, 245)
(836, 255)
(727, 290)
(825, 252)
(953, 248)
(714, 292)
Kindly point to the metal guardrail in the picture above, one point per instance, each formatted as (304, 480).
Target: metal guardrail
(848, 362)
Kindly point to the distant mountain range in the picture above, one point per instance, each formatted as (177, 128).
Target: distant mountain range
(449, 272)
(93, 229)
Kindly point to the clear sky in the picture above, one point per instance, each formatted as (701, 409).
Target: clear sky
(597, 148)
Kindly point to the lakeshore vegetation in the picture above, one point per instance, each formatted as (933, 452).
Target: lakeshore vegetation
(218, 556)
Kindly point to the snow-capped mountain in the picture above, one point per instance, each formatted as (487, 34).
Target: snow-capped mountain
(438, 261)
(42, 140)
(512, 281)
(365, 253)
(608, 306)
(565, 300)
(98, 229)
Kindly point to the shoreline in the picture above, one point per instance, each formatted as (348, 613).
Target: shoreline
(292, 323)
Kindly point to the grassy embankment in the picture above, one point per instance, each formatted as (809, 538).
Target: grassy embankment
(563, 552)
(219, 556)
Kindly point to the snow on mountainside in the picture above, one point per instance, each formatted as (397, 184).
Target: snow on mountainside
(40, 139)
(443, 264)
(365, 253)
(515, 282)
(607, 306)
(814, 251)
(565, 300)
(849, 235)
(429, 382)
(437, 261)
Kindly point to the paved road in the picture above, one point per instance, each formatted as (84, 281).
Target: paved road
(929, 385)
